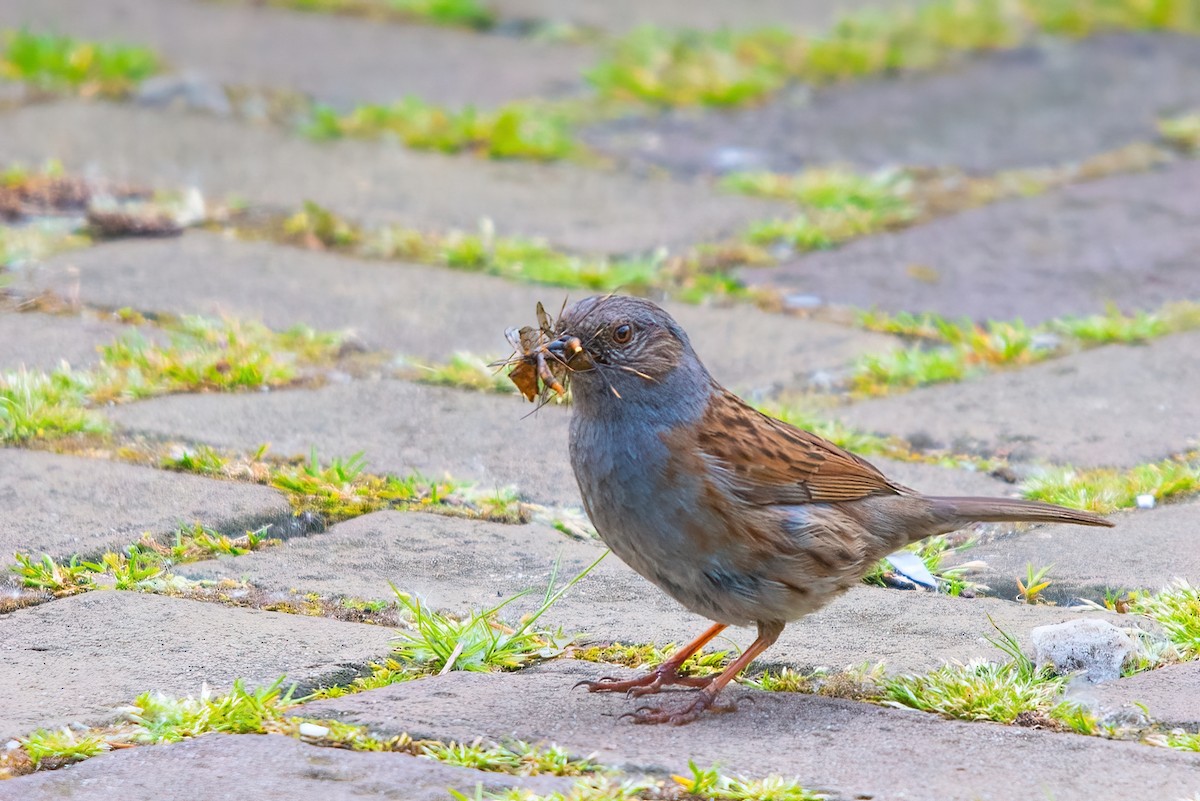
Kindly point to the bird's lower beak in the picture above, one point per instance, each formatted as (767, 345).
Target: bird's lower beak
(569, 349)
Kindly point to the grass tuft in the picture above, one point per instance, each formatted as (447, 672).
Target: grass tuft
(705, 663)
(343, 489)
(1177, 610)
(141, 566)
(36, 405)
(839, 204)
(318, 228)
(952, 350)
(710, 783)
(1014, 691)
(460, 13)
(467, 371)
(728, 68)
(481, 641)
(529, 131)
(55, 749)
(204, 355)
(517, 759)
(1182, 132)
(1105, 490)
(60, 63)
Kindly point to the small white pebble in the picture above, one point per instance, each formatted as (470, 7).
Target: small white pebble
(1145, 501)
(313, 730)
(12, 745)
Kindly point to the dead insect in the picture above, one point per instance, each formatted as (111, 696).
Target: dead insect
(531, 361)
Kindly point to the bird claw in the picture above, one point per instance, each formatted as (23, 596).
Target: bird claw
(609, 684)
(653, 714)
(652, 682)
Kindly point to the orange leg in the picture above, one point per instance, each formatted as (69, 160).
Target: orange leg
(768, 633)
(661, 676)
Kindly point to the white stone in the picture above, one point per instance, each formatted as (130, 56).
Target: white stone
(313, 730)
(1094, 648)
(1145, 501)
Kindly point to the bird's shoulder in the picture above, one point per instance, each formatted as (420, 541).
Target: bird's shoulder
(768, 461)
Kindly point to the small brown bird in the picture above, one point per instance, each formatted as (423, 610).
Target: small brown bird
(740, 517)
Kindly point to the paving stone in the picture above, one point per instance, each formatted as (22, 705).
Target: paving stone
(620, 15)
(1127, 240)
(1168, 694)
(335, 58)
(1118, 405)
(421, 311)
(461, 565)
(401, 427)
(65, 505)
(1146, 550)
(220, 767)
(851, 750)
(1016, 109)
(79, 658)
(43, 341)
(575, 207)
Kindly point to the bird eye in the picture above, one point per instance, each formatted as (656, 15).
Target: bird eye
(622, 334)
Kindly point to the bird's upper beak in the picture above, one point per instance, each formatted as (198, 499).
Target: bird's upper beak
(569, 349)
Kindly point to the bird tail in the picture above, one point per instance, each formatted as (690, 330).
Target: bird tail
(963, 511)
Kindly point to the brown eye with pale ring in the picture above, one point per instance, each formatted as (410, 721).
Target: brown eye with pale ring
(622, 334)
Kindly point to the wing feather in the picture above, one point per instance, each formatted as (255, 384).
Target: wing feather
(769, 462)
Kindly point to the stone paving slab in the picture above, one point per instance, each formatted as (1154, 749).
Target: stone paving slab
(44, 341)
(620, 15)
(575, 207)
(1017, 109)
(79, 658)
(421, 311)
(68, 505)
(1168, 694)
(851, 750)
(1128, 240)
(220, 767)
(343, 60)
(1118, 405)
(1145, 551)
(461, 565)
(401, 427)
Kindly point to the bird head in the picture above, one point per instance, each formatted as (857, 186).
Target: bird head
(620, 346)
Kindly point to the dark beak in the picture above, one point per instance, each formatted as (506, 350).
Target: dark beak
(569, 350)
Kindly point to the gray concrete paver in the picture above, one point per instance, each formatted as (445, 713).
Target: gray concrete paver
(43, 341)
(66, 505)
(1167, 693)
(1127, 240)
(220, 767)
(572, 206)
(463, 565)
(420, 311)
(1146, 551)
(338, 59)
(401, 427)
(1011, 109)
(79, 659)
(617, 16)
(853, 750)
(1117, 405)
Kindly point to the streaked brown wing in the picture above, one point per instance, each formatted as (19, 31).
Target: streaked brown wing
(771, 462)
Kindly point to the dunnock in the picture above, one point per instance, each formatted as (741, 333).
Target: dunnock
(740, 517)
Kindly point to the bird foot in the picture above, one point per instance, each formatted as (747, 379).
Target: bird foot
(654, 714)
(652, 682)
